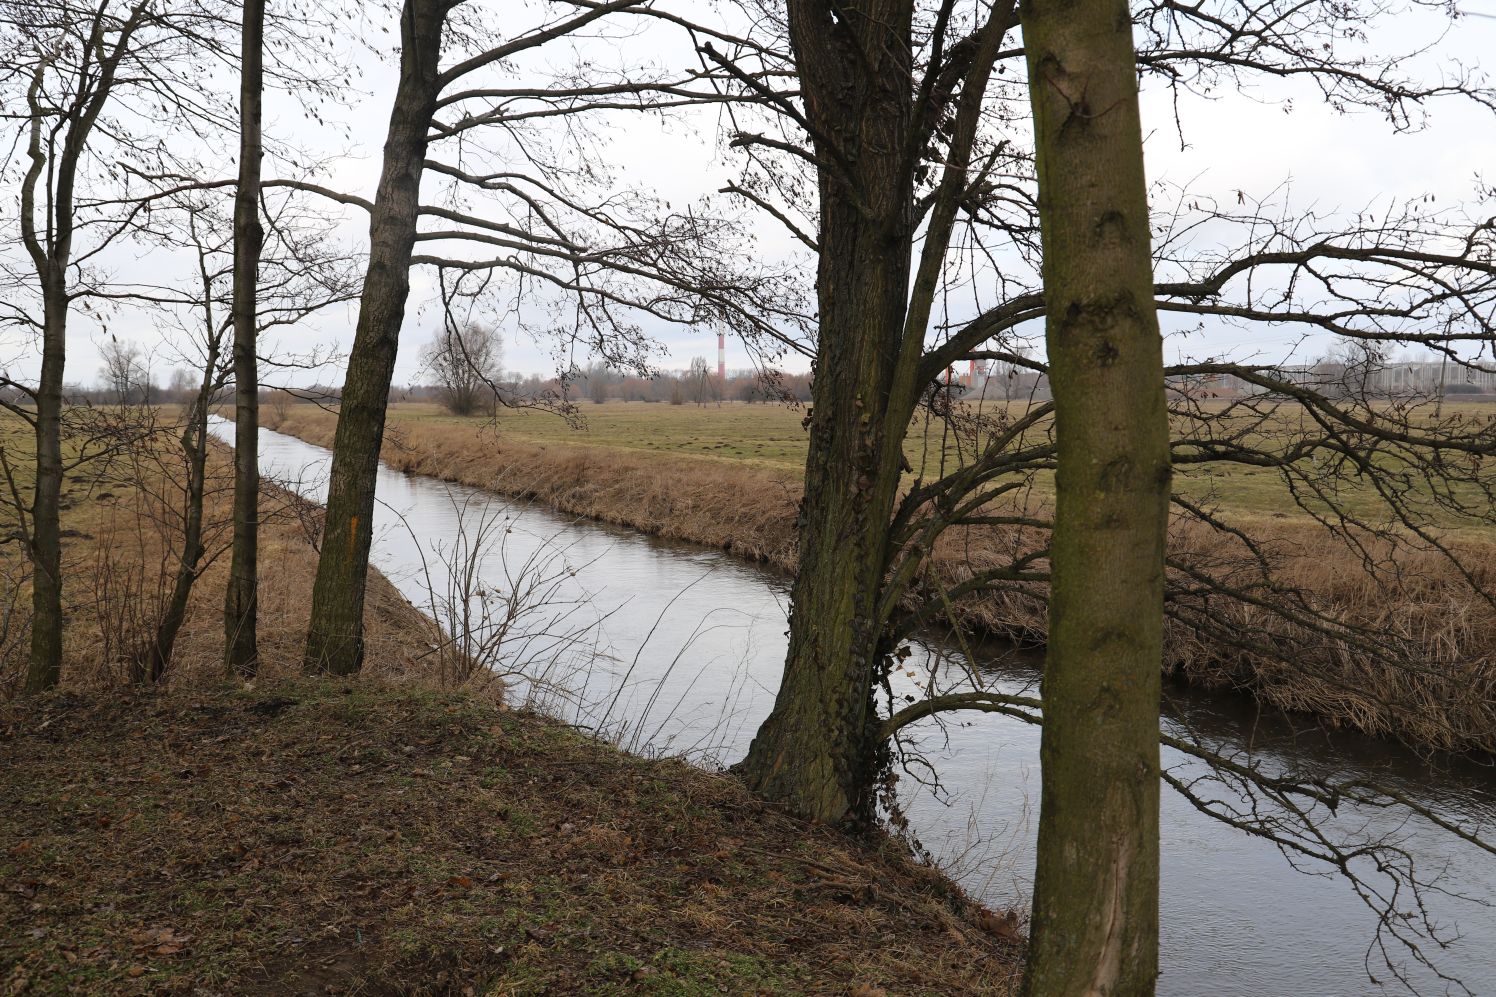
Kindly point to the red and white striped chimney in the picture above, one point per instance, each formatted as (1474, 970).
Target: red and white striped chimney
(722, 358)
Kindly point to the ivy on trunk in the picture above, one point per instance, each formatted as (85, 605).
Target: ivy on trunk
(871, 120)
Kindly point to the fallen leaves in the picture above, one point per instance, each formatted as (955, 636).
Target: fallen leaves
(1006, 925)
(160, 941)
(271, 864)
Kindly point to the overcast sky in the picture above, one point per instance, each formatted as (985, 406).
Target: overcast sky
(1279, 138)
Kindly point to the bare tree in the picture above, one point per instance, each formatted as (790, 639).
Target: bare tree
(703, 387)
(1417, 272)
(193, 555)
(604, 257)
(597, 388)
(872, 117)
(922, 195)
(240, 623)
(302, 273)
(181, 384)
(90, 88)
(124, 372)
(70, 58)
(466, 363)
(280, 402)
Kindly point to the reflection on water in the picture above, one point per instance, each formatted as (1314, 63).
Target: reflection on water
(687, 658)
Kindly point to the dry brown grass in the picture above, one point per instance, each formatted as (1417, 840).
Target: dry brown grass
(1415, 599)
(396, 632)
(352, 838)
(118, 560)
(1411, 655)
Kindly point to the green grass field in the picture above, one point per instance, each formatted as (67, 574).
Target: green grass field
(773, 436)
(770, 435)
(762, 434)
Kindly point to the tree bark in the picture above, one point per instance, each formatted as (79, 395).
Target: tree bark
(45, 666)
(195, 446)
(819, 748)
(241, 652)
(1095, 918)
(51, 248)
(335, 639)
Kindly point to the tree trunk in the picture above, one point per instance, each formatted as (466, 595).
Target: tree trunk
(51, 247)
(335, 639)
(241, 652)
(1095, 921)
(195, 446)
(45, 666)
(818, 751)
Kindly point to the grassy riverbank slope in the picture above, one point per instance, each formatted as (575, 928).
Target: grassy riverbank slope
(730, 478)
(120, 514)
(322, 837)
(381, 835)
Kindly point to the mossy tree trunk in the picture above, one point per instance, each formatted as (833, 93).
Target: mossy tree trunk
(335, 639)
(240, 625)
(873, 127)
(816, 749)
(1095, 920)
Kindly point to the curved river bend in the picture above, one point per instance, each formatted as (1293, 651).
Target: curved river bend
(693, 642)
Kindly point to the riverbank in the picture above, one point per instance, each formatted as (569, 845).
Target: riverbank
(746, 506)
(332, 837)
(381, 834)
(121, 529)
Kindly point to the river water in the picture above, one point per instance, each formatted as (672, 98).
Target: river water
(682, 653)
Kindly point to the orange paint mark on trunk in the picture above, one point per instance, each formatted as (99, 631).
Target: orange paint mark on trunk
(353, 532)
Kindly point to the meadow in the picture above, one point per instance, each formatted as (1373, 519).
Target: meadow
(772, 437)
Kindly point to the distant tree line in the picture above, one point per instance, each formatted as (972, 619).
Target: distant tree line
(462, 369)
(596, 383)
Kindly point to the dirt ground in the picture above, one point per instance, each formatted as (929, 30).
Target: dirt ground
(316, 837)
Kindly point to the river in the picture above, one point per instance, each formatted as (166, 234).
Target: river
(683, 652)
